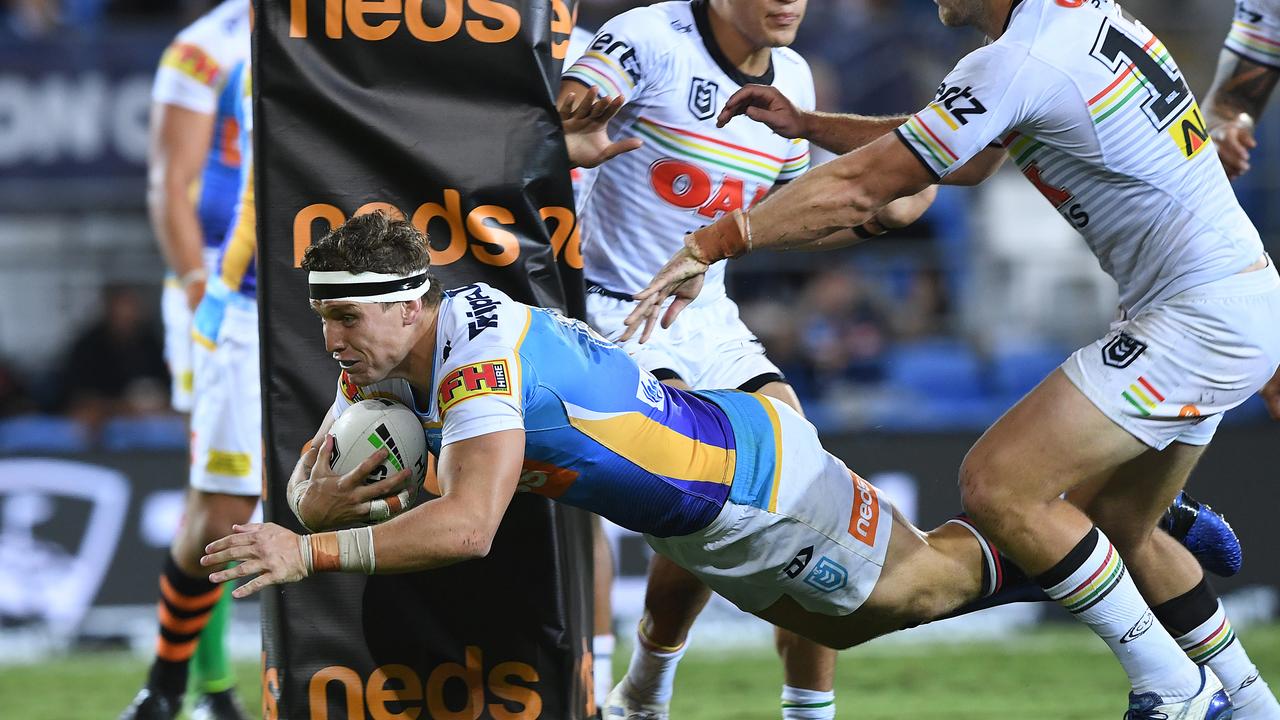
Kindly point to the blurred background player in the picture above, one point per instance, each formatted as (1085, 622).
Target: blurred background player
(1127, 417)
(669, 68)
(226, 447)
(1248, 68)
(193, 183)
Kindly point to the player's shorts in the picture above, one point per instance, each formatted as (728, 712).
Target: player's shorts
(819, 534)
(708, 346)
(226, 421)
(1169, 372)
(177, 337)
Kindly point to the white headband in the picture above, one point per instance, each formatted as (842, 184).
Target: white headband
(367, 287)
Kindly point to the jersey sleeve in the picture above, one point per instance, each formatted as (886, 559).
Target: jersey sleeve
(349, 393)
(990, 92)
(1255, 32)
(189, 77)
(480, 390)
(627, 56)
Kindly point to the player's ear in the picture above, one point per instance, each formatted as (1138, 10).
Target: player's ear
(410, 311)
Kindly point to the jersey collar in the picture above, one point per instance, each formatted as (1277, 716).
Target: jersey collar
(700, 10)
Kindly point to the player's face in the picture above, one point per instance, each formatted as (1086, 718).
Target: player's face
(368, 340)
(768, 23)
(959, 13)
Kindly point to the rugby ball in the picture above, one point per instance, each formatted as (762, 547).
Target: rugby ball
(370, 425)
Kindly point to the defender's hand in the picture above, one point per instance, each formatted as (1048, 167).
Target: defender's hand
(682, 277)
(1271, 395)
(1234, 139)
(586, 128)
(764, 104)
(268, 551)
(333, 501)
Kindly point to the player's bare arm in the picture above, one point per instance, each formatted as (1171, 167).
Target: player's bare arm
(180, 141)
(1238, 95)
(1271, 395)
(843, 193)
(478, 478)
(837, 133)
(585, 117)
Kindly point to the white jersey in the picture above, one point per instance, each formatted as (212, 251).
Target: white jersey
(196, 64)
(664, 61)
(1093, 110)
(1255, 32)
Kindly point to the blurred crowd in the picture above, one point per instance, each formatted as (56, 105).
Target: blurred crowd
(853, 331)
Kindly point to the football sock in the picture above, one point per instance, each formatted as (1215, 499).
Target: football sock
(1092, 583)
(651, 675)
(211, 667)
(1197, 620)
(184, 609)
(1003, 582)
(602, 666)
(802, 704)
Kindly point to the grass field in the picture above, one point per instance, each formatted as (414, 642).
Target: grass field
(1058, 674)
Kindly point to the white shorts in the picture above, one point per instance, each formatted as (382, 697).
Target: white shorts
(177, 343)
(820, 536)
(226, 421)
(708, 347)
(177, 336)
(1169, 372)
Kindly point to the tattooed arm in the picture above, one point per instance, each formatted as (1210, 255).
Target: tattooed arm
(1239, 93)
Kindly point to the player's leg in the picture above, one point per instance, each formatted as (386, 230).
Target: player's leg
(1174, 583)
(225, 479)
(808, 669)
(1011, 484)
(602, 643)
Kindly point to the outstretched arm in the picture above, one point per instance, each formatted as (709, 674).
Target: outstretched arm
(585, 117)
(833, 132)
(1239, 94)
(478, 477)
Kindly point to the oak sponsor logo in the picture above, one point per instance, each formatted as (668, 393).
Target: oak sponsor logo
(689, 187)
(485, 21)
(480, 232)
(507, 691)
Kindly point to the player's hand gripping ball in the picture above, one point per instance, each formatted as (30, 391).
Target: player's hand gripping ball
(371, 425)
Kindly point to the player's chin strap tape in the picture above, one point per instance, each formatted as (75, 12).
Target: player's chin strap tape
(728, 237)
(349, 550)
(367, 287)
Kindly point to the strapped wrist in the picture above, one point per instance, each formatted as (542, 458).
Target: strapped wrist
(193, 276)
(728, 237)
(349, 550)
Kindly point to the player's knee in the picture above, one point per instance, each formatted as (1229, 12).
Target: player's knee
(982, 493)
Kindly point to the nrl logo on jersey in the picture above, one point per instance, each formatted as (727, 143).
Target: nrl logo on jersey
(702, 98)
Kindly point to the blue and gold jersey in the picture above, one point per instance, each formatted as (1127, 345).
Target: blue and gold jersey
(220, 181)
(600, 432)
(236, 266)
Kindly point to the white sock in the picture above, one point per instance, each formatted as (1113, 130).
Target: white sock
(1092, 583)
(602, 666)
(802, 704)
(651, 675)
(1214, 643)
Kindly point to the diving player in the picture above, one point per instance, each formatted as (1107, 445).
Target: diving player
(1096, 114)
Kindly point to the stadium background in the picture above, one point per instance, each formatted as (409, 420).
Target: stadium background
(902, 350)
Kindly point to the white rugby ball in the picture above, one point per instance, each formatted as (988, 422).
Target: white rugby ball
(370, 425)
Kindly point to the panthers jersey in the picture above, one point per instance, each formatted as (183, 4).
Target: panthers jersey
(236, 267)
(1255, 32)
(663, 59)
(600, 433)
(1094, 111)
(193, 74)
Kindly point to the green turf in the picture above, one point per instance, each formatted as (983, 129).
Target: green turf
(1055, 674)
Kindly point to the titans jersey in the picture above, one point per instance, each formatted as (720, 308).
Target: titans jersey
(1255, 32)
(236, 267)
(194, 74)
(664, 61)
(1094, 111)
(600, 433)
